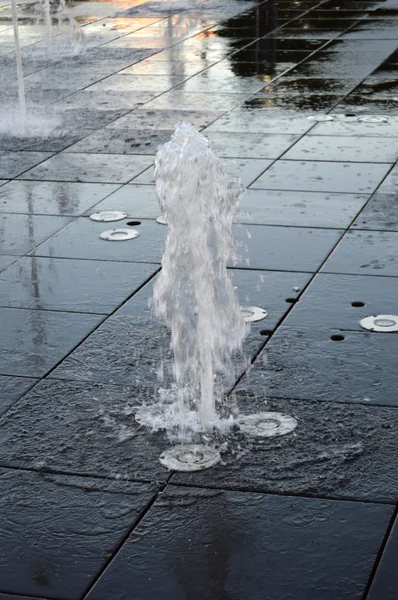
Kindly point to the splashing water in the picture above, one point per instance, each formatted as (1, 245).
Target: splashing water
(193, 294)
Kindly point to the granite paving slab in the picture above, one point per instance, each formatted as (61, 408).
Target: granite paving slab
(365, 253)
(116, 141)
(390, 183)
(72, 285)
(186, 525)
(379, 213)
(22, 233)
(138, 201)
(93, 515)
(318, 176)
(146, 118)
(34, 341)
(300, 209)
(261, 121)
(385, 582)
(125, 82)
(336, 451)
(283, 248)
(5, 261)
(341, 301)
(86, 429)
(190, 101)
(250, 145)
(11, 390)
(323, 363)
(355, 127)
(90, 168)
(107, 99)
(54, 198)
(344, 149)
(82, 240)
(13, 164)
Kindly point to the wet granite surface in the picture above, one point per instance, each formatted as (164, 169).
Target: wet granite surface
(88, 512)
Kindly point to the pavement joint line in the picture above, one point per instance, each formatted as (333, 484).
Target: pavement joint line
(380, 553)
(255, 490)
(119, 547)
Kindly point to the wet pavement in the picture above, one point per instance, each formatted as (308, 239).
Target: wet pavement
(300, 98)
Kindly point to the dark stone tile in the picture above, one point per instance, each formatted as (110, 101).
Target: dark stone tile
(34, 341)
(55, 142)
(138, 201)
(336, 451)
(305, 362)
(289, 85)
(220, 80)
(336, 148)
(284, 248)
(11, 389)
(181, 101)
(362, 32)
(72, 285)
(366, 104)
(116, 141)
(108, 99)
(54, 198)
(328, 302)
(75, 119)
(14, 597)
(186, 526)
(81, 428)
(389, 185)
(385, 582)
(22, 233)
(259, 52)
(81, 240)
(140, 85)
(125, 350)
(379, 213)
(297, 103)
(353, 127)
(165, 119)
(13, 164)
(260, 121)
(6, 261)
(92, 515)
(365, 253)
(250, 145)
(301, 209)
(95, 168)
(172, 68)
(317, 176)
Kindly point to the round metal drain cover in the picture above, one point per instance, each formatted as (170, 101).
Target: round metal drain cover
(191, 457)
(253, 313)
(381, 323)
(108, 215)
(119, 235)
(320, 118)
(266, 424)
(161, 220)
(373, 119)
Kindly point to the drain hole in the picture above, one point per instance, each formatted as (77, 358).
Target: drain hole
(266, 332)
(350, 115)
(133, 223)
(291, 300)
(337, 338)
(357, 304)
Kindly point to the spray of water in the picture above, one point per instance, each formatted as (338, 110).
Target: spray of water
(194, 294)
(21, 86)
